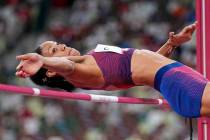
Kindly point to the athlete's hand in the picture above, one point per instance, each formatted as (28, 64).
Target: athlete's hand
(29, 64)
(183, 36)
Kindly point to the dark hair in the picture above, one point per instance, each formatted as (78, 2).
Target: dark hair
(40, 78)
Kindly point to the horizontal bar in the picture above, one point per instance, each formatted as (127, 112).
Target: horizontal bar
(78, 96)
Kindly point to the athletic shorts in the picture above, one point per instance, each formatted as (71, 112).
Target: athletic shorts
(182, 87)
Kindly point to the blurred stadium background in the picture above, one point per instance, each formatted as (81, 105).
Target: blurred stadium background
(142, 24)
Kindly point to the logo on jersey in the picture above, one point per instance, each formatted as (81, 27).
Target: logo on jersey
(106, 48)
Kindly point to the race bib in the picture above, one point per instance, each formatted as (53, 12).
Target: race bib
(107, 48)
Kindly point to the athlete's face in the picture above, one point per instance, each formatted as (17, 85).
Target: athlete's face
(51, 48)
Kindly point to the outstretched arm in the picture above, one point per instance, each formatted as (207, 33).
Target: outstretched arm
(167, 49)
(31, 63)
(177, 39)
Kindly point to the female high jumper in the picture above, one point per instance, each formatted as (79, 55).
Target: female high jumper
(113, 68)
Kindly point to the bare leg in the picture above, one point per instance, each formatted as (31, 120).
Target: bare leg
(205, 108)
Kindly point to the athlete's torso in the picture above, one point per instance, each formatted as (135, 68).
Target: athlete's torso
(115, 65)
(144, 66)
(113, 68)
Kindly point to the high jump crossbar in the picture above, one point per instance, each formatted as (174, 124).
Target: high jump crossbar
(79, 96)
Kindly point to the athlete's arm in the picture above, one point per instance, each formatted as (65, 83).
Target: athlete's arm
(59, 65)
(176, 40)
(77, 59)
(32, 62)
(167, 49)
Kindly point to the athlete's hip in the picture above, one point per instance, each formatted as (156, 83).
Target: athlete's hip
(145, 64)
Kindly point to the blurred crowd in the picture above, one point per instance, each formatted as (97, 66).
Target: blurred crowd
(82, 24)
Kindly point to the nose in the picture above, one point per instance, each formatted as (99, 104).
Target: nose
(62, 47)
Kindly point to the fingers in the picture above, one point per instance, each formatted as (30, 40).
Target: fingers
(188, 29)
(31, 56)
(20, 65)
(22, 74)
(23, 57)
(196, 23)
(191, 28)
(171, 34)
